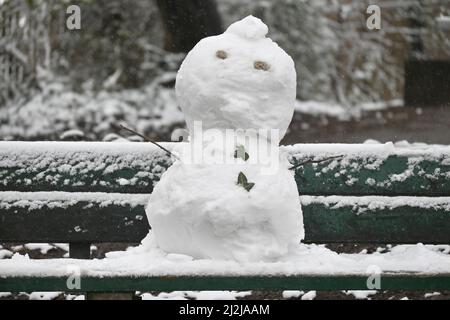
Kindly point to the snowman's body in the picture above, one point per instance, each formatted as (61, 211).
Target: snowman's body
(238, 80)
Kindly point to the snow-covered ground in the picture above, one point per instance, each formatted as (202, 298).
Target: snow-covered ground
(57, 111)
(341, 112)
(62, 114)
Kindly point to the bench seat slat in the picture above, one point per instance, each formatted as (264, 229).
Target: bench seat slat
(405, 281)
(95, 218)
(72, 217)
(374, 219)
(137, 167)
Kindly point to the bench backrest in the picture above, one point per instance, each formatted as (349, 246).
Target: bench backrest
(80, 192)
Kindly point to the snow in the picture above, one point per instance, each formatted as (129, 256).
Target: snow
(374, 203)
(238, 80)
(56, 147)
(217, 295)
(443, 22)
(44, 295)
(5, 253)
(289, 294)
(201, 211)
(58, 109)
(310, 295)
(307, 259)
(75, 297)
(175, 295)
(380, 151)
(342, 112)
(431, 294)
(370, 156)
(197, 295)
(219, 209)
(74, 157)
(361, 294)
(74, 133)
(55, 199)
(42, 247)
(58, 163)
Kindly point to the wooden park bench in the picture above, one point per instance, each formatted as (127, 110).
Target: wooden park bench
(373, 194)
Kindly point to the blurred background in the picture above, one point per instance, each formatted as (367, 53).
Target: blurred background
(354, 84)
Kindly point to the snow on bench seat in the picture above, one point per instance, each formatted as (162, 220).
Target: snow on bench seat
(309, 266)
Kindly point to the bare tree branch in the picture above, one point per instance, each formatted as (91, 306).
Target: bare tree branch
(314, 161)
(149, 140)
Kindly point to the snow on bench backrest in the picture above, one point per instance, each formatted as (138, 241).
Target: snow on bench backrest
(363, 169)
(97, 192)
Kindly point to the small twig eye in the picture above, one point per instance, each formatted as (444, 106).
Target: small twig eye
(221, 54)
(261, 65)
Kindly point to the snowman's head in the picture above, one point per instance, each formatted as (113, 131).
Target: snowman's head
(238, 80)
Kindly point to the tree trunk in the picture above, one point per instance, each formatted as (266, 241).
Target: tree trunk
(186, 22)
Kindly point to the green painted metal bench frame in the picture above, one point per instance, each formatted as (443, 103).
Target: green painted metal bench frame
(363, 175)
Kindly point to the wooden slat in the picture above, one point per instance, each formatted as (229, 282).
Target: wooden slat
(326, 220)
(393, 176)
(377, 220)
(80, 222)
(389, 281)
(81, 167)
(137, 167)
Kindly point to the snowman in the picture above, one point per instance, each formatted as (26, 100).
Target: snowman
(234, 89)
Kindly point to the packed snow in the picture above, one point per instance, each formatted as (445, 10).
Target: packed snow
(306, 259)
(225, 206)
(238, 80)
(4, 253)
(289, 294)
(361, 294)
(431, 294)
(200, 210)
(310, 295)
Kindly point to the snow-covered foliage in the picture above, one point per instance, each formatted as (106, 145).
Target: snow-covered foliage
(58, 109)
(337, 57)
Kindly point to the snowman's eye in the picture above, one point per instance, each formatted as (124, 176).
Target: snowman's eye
(261, 65)
(221, 54)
